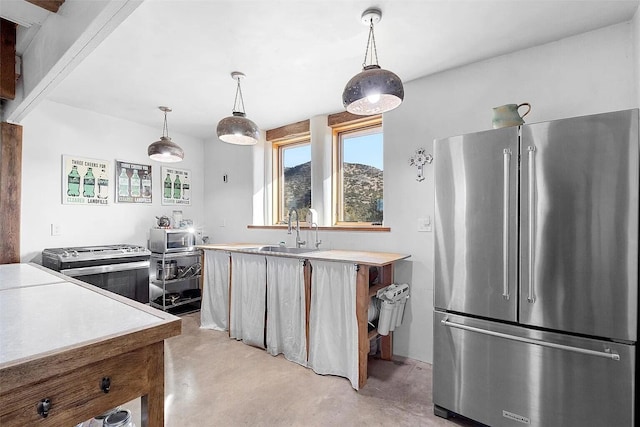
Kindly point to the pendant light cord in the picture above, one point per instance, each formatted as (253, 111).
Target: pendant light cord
(165, 128)
(235, 102)
(371, 41)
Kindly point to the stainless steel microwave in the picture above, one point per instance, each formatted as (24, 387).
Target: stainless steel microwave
(162, 240)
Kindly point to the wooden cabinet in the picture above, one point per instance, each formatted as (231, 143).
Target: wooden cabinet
(61, 337)
(77, 395)
(367, 263)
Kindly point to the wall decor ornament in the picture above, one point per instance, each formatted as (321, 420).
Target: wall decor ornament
(176, 186)
(85, 181)
(134, 182)
(419, 159)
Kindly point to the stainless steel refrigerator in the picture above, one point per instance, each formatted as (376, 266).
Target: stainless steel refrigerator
(536, 273)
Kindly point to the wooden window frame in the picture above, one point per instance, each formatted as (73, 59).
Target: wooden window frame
(278, 147)
(373, 122)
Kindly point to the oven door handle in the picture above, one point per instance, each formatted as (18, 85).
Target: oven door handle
(109, 268)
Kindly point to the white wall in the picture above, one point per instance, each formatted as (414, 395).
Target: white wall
(590, 73)
(52, 130)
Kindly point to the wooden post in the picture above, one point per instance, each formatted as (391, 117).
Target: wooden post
(386, 342)
(10, 188)
(152, 404)
(7, 59)
(362, 314)
(229, 302)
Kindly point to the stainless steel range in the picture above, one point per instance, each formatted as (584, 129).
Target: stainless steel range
(122, 269)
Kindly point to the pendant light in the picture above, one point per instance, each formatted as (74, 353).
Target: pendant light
(238, 129)
(165, 150)
(374, 90)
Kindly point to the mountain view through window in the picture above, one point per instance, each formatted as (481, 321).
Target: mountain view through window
(362, 177)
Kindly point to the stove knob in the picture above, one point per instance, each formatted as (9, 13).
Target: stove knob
(65, 254)
(74, 253)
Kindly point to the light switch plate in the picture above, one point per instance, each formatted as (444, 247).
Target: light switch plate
(56, 229)
(424, 224)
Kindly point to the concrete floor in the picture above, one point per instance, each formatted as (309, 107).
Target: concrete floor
(212, 380)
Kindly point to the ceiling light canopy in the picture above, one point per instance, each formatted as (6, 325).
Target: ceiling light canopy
(238, 129)
(165, 150)
(374, 90)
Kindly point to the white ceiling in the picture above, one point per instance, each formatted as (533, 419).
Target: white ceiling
(298, 54)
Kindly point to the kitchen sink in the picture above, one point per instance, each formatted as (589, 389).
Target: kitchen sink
(284, 249)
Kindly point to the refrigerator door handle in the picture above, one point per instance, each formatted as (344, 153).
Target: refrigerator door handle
(606, 354)
(532, 212)
(505, 224)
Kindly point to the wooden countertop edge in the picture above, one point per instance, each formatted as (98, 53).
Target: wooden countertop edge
(18, 373)
(341, 228)
(358, 257)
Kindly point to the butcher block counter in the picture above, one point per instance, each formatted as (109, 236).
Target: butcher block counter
(377, 259)
(366, 259)
(70, 351)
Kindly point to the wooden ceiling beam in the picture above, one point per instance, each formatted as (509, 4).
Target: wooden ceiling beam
(7, 59)
(50, 5)
(287, 131)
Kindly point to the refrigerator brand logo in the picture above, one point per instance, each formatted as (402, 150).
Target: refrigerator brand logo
(515, 417)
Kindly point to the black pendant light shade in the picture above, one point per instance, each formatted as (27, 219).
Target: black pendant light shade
(165, 150)
(374, 90)
(237, 128)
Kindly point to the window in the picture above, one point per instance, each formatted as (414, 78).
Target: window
(358, 173)
(292, 178)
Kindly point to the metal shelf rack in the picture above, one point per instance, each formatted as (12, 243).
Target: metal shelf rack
(187, 263)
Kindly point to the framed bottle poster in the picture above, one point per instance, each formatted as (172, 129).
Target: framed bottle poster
(85, 181)
(134, 182)
(176, 186)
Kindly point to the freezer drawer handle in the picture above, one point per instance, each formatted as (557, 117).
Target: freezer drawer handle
(606, 354)
(505, 226)
(532, 222)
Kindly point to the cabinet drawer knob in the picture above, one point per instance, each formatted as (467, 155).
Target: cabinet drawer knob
(43, 407)
(105, 385)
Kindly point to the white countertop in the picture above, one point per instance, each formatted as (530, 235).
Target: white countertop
(41, 313)
(20, 275)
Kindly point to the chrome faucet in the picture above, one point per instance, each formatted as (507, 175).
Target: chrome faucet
(299, 242)
(317, 243)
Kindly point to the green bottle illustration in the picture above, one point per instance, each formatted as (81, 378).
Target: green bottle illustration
(123, 183)
(146, 185)
(89, 184)
(73, 182)
(167, 187)
(103, 185)
(135, 184)
(177, 188)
